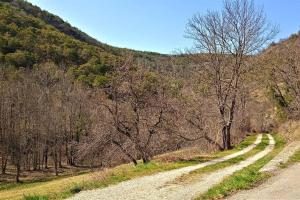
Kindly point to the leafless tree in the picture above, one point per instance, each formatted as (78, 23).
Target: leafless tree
(136, 101)
(226, 40)
(35, 107)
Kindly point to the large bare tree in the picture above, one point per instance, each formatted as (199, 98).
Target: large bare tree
(226, 40)
(137, 103)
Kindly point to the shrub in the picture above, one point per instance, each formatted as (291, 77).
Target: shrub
(35, 197)
(75, 189)
(100, 80)
(19, 59)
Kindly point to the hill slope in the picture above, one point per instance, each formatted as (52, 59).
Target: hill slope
(53, 20)
(30, 36)
(67, 28)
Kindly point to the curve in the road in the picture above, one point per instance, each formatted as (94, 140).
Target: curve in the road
(153, 187)
(198, 187)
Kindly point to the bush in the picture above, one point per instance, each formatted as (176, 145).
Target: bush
(19, 59)
(100, 81)
(35, 197)
(75, 189)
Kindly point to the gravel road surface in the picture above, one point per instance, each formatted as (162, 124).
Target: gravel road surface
(156, 187)
(284, 186)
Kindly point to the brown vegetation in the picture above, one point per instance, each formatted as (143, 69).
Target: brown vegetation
(229, 38)
(209, 99)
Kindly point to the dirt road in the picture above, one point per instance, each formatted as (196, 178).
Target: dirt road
(156, 187)
(284, 186)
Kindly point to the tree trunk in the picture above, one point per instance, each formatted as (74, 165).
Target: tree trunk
(46, 158)
(18, 168)
(60, 158)
(125, 152)
(146, 159)
(55, 160)
(39, 161)
(228, 126)
(35, 160)
(71, 156)
(226, 136)
(3, 164)
(145, 155)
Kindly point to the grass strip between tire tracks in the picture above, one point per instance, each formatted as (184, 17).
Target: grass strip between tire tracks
(211, 168)
(246, 178)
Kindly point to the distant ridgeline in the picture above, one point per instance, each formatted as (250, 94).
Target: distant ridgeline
(29, 36)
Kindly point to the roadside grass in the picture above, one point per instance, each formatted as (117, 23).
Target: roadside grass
(295, 158)
(246, 178)
(211, 168)
(35, 197)
(186, 156)
(6, 186)
(65, 187)
(183, 158)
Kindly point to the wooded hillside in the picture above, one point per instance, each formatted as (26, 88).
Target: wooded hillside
(67, 100)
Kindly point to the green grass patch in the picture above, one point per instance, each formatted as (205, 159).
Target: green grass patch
(75, 189)
(295, 158)
(246, 178)
(35, 197)
(292, 160)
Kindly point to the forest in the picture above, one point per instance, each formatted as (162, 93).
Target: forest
(67, 100)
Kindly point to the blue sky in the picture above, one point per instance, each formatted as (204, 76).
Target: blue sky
(155, 25)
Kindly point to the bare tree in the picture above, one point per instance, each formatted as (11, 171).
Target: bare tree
(34, 109)
(137, 105)
(226, 40)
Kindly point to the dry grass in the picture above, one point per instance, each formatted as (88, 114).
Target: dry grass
(290, 131)
(184, 155)
(41, 175)
(45, 188)
(66, 186)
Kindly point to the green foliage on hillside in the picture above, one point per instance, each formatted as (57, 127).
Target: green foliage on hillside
(69, 30)
(29, 35)
(26, 40)
(54, 20)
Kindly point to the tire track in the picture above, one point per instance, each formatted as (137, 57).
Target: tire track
(153, 187)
